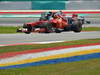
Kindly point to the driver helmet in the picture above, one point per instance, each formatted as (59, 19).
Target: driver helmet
(56, 16)
(49, 13)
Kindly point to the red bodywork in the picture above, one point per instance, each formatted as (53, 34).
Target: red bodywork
(59, 23)
(35, 23)
(56, 23)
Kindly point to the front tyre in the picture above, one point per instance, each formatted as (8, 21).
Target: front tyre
(29, 29)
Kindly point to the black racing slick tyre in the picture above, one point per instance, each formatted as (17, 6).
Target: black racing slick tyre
(77, 27)
(27, 32)
(29, 28)
(48, 27)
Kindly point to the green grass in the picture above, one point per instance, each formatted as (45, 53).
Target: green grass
(91, 29)
(7, 29)
(86, 67)
(10, 29)
(38, 46)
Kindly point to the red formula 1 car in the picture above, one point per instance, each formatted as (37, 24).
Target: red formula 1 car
(57, 24)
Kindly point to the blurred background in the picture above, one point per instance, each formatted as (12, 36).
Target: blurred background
(51, 4)
(18, 19)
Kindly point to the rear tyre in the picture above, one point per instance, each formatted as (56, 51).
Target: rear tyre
(76, 27)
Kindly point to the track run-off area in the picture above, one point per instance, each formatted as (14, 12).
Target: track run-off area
(47, 55)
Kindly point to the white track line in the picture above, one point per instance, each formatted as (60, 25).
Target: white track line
(47, 42)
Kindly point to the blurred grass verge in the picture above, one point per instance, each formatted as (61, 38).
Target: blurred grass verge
(85, 67)
(12, 30)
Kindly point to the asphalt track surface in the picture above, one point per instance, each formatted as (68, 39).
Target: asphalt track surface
(41, 37)
(36, 37)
